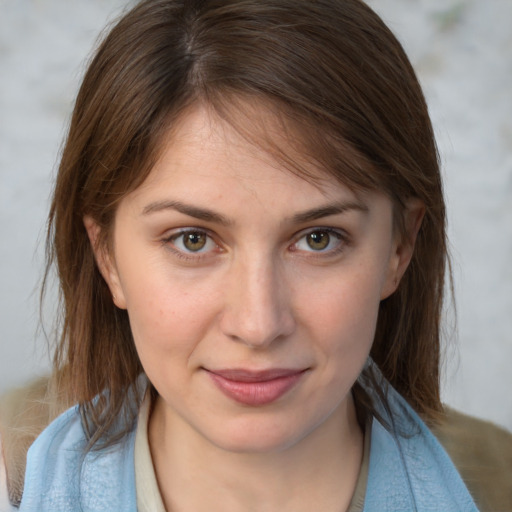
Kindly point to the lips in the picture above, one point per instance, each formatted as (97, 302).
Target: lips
(255, 388)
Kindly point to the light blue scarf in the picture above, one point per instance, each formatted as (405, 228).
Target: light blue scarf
(61, 478)
(409, 470)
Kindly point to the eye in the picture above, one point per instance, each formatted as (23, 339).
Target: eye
(320, 240)
(192, 241)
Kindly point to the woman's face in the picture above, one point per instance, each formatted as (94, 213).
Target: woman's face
(252, 294)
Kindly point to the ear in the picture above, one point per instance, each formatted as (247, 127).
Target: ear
(403, 247)
(105, 262)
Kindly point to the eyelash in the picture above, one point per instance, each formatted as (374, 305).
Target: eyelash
(340, 235)
(170, 240)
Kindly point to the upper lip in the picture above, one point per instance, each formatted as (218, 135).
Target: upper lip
(245, 375)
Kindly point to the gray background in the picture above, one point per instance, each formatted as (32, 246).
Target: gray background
(462, 50)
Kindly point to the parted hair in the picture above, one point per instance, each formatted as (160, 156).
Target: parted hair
(336, 77)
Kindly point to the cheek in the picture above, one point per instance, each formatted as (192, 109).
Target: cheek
(166, 332)
(344, 317)
(348, 303)
(168, 314)
(341, 320)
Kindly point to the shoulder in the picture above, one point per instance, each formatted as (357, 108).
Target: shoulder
(47, 459)
(409, 469)
(482, 453)
(53, 463)
(63, 472)
(5, 505)
(412, 472)
(22, 473)
(24, 414)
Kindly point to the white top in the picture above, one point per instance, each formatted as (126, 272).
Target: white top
(149, 498)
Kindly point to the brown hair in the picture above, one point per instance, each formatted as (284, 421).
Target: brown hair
(334, 73)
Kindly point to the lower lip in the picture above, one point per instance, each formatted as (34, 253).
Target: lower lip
(256, 393)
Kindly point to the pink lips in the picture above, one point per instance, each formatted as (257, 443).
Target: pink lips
(255, 387)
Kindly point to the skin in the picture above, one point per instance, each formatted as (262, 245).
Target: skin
(288, 274)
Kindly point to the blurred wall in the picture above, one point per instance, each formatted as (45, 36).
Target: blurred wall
(462, 50)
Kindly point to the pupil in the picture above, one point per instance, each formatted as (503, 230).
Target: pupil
(318, 240)
(194, 241)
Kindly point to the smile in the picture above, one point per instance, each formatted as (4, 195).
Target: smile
(255, 388)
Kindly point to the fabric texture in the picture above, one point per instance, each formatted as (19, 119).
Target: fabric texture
(409, 470)
(24, 413)
(149, 498)
(482, 453)
(5, 505)
(357, 501)
(60, 478)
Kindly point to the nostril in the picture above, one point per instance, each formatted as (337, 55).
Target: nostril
(257, 327)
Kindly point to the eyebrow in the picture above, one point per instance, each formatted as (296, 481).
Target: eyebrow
(187, 209)
(208, 215)
(328, 210)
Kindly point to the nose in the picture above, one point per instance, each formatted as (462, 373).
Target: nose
(257, 307)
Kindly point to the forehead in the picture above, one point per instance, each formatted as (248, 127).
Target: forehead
(255, 149)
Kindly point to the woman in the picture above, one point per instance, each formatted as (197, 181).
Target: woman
(248, 226)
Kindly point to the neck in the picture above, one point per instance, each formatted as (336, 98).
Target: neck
(319, 472)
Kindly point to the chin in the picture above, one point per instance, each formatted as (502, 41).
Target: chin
(256, 437)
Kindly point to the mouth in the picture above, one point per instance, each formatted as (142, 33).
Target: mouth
(255, 388)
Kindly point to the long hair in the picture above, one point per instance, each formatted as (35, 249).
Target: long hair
(341, 84)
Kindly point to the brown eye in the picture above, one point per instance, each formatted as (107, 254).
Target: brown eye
(318, 240)
(194, 241)
(326, 241)
(192, 244)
